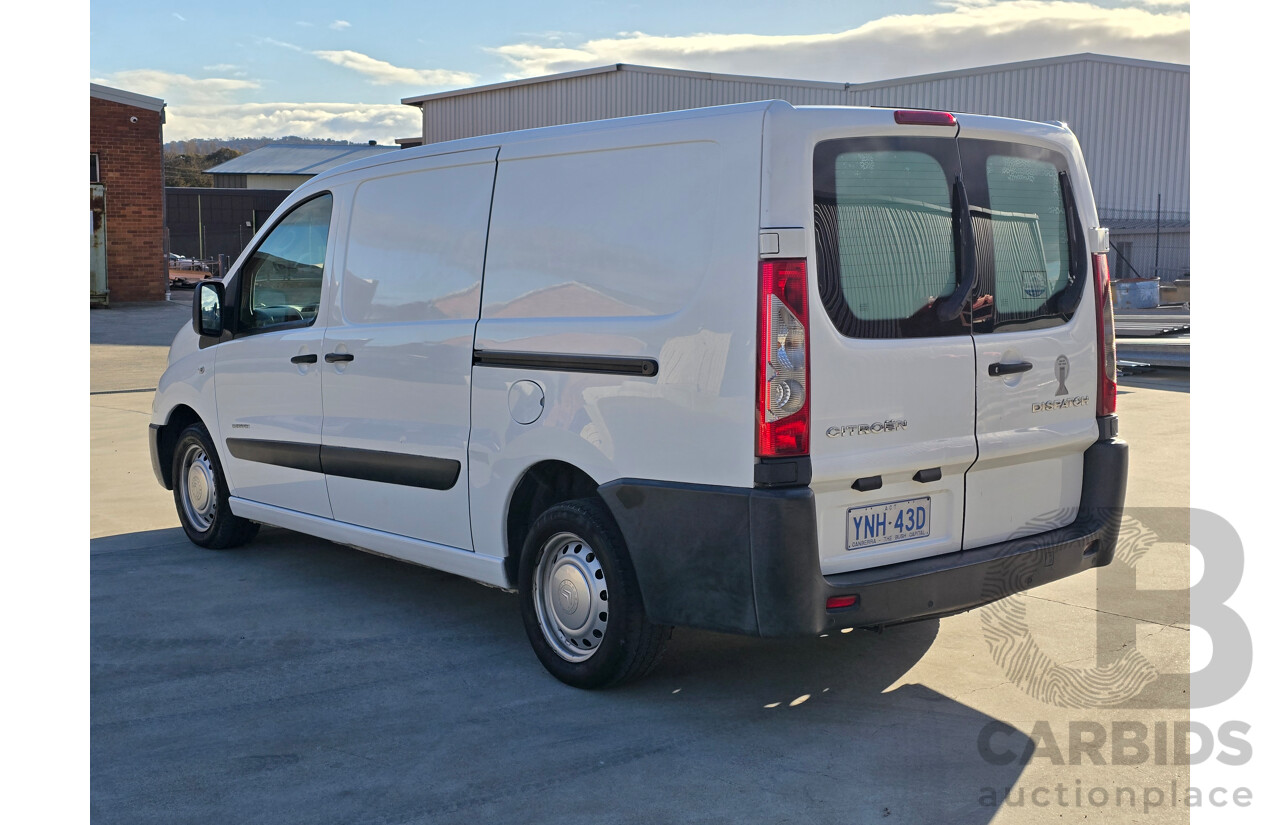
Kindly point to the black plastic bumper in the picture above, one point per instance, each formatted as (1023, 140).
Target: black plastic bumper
(153, 433)
(746, 560)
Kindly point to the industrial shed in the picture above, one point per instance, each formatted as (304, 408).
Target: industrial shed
(288, 165)
(1132, 118)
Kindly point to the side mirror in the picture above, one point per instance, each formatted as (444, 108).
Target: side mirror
(206, 308)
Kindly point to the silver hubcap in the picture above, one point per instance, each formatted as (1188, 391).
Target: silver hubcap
(199, 492)
(571, 597)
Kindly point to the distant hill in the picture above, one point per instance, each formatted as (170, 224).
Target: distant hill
(205, 146)
(182, 169)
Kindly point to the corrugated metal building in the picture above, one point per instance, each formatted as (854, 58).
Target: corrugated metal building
(1132, 118)
(287, 165)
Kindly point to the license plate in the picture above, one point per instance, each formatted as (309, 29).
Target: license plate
(887, 523)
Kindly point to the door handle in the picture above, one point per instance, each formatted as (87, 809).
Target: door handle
(1007, 369)
(338, 357)
(303, 359)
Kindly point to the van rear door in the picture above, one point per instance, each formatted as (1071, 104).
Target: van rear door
(1034, 329)
(892, 378)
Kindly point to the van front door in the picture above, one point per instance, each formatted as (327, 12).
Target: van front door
(267, 377)
(398, 348)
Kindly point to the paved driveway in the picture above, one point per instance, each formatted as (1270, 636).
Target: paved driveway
(294, 680)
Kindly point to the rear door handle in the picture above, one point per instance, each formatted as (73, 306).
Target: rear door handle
(338, 357)
(303, 359)
(998, 369)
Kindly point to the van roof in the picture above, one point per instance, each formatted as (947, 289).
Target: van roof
(543, 132)
(515, 138)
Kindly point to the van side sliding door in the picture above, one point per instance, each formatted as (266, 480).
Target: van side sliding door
(397, 353)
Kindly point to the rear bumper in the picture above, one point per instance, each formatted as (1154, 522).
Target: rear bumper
(746, 560)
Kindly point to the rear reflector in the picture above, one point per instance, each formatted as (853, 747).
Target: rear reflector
(1106, 337)
(841, 602)
(919, 117)
(782, 361)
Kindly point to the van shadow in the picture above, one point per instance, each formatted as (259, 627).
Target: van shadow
(296, 679)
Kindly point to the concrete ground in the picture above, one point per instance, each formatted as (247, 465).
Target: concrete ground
(294, 680)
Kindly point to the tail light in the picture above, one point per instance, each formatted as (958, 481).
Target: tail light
(920, 117)
(782, 368)
(1106, 337)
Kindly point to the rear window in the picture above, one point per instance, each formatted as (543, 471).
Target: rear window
(887, 247)
(1030, 250)
(888, 234)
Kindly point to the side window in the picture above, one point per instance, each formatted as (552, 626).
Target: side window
(280, 284)
(886, 235)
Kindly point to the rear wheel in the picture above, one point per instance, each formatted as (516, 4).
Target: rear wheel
(580, 600)
(200, 493)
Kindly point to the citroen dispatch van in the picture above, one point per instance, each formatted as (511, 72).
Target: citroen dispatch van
(762, 369)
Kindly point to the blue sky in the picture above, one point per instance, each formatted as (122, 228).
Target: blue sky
(329, 69)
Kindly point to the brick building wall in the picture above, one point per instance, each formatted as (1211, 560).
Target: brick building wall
(131, 168)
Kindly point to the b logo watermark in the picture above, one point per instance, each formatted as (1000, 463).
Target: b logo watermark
(1121, 675)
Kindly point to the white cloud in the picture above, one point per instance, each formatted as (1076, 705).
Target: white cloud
(180, 17)
(207, 107)
(170, 86)
(282, 44)
(382, 73)
(966, 34)
(360, 122)
(339, 25)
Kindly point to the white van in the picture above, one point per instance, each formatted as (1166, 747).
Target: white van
(758, 368)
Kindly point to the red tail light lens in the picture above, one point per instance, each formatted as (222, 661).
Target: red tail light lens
(1106, 337)
(782, 368)
(917, 117)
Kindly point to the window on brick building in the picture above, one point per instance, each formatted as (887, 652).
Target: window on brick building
(94, 177)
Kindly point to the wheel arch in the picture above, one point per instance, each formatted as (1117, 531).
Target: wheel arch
(180, 417)
(542, 485)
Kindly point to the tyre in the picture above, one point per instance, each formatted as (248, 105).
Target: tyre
(200, 493)
(580, 600)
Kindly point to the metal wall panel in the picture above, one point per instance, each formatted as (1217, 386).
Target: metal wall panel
(597, 96)
(1133, 120)
(1166, 256)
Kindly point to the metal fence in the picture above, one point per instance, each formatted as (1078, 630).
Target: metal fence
(1149, 243)
(205, 223)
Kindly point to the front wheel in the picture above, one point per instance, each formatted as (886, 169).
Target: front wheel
(200, 493)
(580, 600)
